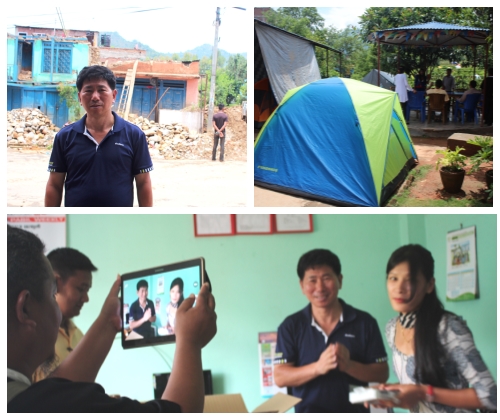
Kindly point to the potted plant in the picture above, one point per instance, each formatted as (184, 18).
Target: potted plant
(452, 169)
(483, 155)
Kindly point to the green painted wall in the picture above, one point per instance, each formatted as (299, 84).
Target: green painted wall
(256, 286)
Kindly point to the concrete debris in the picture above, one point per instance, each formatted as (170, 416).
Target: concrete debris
(24, 75)
(29, 128)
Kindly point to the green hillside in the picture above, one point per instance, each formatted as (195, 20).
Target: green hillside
(205, 50)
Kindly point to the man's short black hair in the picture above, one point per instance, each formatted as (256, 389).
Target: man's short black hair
(67, 260)
(221, 107)
(95, 72)
(473, 84)
(142, 283)
(26, 264)
(316, 258)
(439, 83)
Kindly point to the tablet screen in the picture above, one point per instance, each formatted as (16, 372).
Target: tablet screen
(150, 299)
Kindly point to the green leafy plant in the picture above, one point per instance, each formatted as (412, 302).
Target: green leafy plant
(70, 95)
(484, 155)
(490, 193)
(452, 160)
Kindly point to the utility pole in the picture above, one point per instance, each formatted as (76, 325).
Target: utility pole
(214, 70)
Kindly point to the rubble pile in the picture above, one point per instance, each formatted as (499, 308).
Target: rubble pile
(24, 75)
(95, 56)
(174, 141)
(28, 127)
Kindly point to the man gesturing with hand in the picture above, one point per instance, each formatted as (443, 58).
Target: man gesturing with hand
(328, 345)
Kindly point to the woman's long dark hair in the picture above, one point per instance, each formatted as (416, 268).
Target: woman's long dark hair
(429, 352)
(178, 282)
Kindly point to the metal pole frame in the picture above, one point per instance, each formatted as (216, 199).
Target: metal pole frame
(378, 59)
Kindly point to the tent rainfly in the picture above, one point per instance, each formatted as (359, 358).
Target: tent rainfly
(386, 79)
(284, 61)
(336, 140)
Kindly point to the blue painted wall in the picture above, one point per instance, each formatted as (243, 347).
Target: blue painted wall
(45, 98)
(144, 96)
(11, 58)
(15, 58)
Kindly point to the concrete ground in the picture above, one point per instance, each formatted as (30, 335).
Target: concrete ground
(176, 183)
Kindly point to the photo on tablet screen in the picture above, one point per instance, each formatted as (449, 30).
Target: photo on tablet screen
(150, 299)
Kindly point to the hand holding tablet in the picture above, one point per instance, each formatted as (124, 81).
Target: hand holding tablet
(197, 324)
(152, 300)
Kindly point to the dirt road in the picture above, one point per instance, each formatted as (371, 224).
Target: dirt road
(176, 183)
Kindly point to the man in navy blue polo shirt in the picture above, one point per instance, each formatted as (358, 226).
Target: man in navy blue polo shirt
(97, 159)
(328, 345)
(142, 311)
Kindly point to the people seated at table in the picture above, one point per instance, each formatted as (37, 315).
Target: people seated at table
(421, 81)
(472, 89)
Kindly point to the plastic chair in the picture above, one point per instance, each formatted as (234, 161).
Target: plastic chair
(436, 103)
(416, 101)
(468, 106)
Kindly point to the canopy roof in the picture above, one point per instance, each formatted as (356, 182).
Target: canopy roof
(431, 34)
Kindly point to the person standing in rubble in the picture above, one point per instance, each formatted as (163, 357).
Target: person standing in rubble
(97, 159)
(219, 122)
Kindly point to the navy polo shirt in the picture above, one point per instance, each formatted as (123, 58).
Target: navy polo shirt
(136, 313)
(100, 175)
(301, 343)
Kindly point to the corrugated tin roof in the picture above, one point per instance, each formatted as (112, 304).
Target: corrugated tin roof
(431, 34)
(437, 25)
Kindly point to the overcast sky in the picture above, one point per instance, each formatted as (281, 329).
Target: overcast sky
(165, 29)
(341, 17)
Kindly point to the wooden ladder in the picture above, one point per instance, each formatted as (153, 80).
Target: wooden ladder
(127, 92)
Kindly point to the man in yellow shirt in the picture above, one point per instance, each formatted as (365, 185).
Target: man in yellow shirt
(440, 90)
(73, 273)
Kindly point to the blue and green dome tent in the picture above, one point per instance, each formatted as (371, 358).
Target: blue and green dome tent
(336, 140)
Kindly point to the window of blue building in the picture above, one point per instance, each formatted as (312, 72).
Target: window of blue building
(61, 61)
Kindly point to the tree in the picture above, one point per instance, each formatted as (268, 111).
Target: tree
(69, 94)
(187, 56)
(379, 18)
(237, 68)
(303, 21)
(205, 65)
(224, 88)
(230, 82)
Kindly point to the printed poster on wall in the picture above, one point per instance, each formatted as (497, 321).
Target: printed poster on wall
(267, 347)
(50, 228)
(461, 264)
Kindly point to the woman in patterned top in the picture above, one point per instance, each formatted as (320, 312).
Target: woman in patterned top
(176, 298)
(433, 352)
